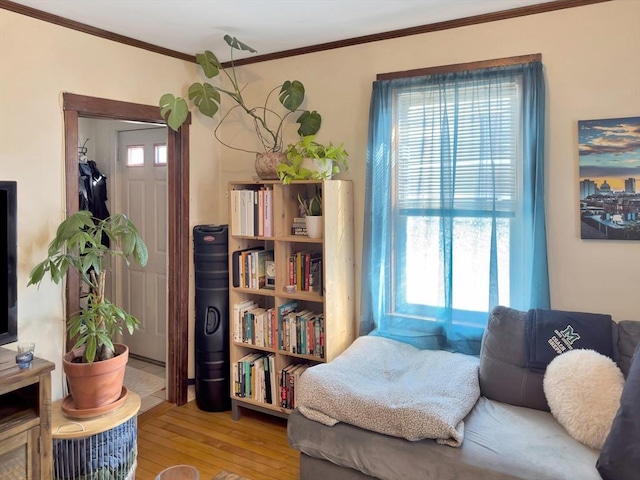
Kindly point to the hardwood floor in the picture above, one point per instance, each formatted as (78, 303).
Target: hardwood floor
(255, 446)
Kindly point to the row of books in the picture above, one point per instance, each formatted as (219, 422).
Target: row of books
(289, 377)
(255, 325)
(254, 377)
(249, 267)
(303, 333)
(305, 271)
(283, 328)
(252, 212)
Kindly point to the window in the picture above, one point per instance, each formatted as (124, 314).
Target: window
(455, 202)
(135, 155)
(480, 190)
(160, 157)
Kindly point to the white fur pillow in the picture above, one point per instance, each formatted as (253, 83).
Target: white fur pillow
(583, 389)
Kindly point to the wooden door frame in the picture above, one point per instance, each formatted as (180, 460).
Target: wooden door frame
(76, 106)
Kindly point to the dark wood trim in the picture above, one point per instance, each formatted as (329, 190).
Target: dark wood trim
(98, 32)
(94, 107)
(178, 282)
(76, 106)
(460, 67)
(72, 289)
(404, 32)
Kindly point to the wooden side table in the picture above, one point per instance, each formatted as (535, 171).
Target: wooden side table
(87, 446)
(25, 418)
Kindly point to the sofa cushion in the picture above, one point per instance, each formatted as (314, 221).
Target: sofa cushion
(583, 389)
(502, 442)
(628, 341)
(503, 374)
(620, 455)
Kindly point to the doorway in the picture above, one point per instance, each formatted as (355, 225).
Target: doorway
(177, 154)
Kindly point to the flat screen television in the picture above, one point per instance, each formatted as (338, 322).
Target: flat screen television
(8, 263)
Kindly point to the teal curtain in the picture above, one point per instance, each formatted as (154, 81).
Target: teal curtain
(454, 206)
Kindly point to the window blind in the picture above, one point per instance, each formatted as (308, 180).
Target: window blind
(462, 165)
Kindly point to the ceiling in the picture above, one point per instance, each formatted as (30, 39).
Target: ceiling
(269, 26)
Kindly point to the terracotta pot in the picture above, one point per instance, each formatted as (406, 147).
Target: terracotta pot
(99, 383)
(266, 164)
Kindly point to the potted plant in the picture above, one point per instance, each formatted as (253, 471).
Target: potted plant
(308, 159)
(268, 122)
(87, 245)
(312, 210)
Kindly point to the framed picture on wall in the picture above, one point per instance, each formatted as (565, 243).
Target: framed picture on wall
(609, 159)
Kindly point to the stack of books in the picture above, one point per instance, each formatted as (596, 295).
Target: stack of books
(299, 226)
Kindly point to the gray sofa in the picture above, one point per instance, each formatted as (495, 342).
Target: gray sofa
(509, 434)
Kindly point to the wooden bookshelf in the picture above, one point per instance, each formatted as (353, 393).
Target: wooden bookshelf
(335, 301)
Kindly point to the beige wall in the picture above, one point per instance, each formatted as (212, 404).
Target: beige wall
(38, 62)
(592, 61)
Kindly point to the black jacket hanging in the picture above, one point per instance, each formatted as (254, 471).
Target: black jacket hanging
(92, 186)
(84, 186)
(98, 197)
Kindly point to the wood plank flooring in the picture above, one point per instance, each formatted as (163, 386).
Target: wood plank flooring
(255, 446)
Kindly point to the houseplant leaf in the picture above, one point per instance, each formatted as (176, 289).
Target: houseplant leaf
(291, 95)
(205, 97)
(309, 123)
(209, 63)
(174, 110)
(233, 42)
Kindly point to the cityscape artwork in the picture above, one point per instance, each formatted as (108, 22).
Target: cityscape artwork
(609, 157)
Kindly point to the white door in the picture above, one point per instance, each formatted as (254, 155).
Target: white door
(141, 173)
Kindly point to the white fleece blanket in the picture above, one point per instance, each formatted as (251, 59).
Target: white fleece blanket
(393, 388)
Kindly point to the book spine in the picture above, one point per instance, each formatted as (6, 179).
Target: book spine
(268, 212)
(261, 212)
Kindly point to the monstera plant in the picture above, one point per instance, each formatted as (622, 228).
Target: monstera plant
(268, 119)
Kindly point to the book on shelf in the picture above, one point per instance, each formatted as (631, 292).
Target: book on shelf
(242, 375)
(303, 333)
(239, 261)
(294, 330)
(249, 267)
(299, 226)
(305, 271)
(268, 212)
(239, 310)
(254, 377)
(261, 275)
(249, 325)
(288, 378)
(252, 212)
(254, 325)
(283, 311)
(315, 274)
